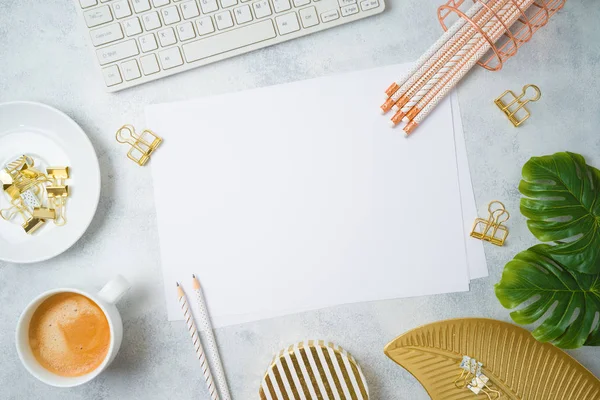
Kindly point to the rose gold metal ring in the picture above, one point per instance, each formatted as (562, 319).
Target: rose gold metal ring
(479, 29)
(530, 20)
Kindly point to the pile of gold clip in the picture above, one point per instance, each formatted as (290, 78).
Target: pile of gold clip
(474, 379)
(35, 196)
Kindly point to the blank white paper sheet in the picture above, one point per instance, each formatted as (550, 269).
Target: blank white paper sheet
(477, 264)
(300, 196)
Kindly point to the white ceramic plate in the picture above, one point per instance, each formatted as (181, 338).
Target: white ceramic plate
(52, 139)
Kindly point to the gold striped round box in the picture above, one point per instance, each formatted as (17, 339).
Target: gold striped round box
(314, 370)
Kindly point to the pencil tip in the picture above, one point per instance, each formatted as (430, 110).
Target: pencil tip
(196, 282)
(177, 283)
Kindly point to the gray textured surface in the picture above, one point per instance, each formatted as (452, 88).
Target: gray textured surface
(43, 58)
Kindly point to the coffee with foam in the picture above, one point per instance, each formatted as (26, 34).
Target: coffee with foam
(69, 334)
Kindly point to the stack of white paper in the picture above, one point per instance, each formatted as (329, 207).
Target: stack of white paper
(299, 196)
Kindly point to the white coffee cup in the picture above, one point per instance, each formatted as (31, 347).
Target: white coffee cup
(105, 299)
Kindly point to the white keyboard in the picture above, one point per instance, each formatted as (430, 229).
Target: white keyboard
(138, 41)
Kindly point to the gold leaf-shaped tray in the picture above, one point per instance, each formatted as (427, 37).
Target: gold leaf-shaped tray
(518, 366)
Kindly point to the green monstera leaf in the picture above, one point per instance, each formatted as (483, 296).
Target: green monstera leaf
(563, 205)
(573, 298)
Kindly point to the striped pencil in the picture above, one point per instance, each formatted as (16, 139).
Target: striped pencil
(414, 98)
(453, 51)
(433, 49)
(442, 88)
(440, 58)
(209, 336)
(457, 58)
(189, 319)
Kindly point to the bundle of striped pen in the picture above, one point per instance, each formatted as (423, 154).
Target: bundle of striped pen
(488, 26)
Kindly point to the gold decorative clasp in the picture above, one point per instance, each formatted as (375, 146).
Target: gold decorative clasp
(492, 229)
(516, 104)
(142, 145)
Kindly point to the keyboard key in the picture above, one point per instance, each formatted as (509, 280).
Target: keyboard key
(149, 64)
(228, 3)
(151, 21)
(106, 34)
(121, 9)
(186, 31)
(231, 40)
(170, 15)
(300, 3)
(369, 4)
(148, 43)
(281, 5)
(261, 9)
(309, 17)
(287, 23)
(189, 10)
(117, 52)
(343, 3)
(349, 10)
(160, 3)
(97, 16)
(87, 3)
(140, 5)
(130, 70)
(224, 20)
(208, 6)
(132, 26)
(170, 58)
(167, 37)
(205, 26)
(329, 16)
(111, 75)
(243, 14)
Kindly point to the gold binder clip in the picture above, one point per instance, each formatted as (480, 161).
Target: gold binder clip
(31, 173)
(44, 213)
(57, 199)
(58, 174)
(32, 225)
(512, 108)
(19, 164)
(479, 384)
(57, 194)
(142, 145)
(34, 195)
(6, 179)
(13, 192)
(492, 230)
(463, 379)
(473, 378)
(57, 191)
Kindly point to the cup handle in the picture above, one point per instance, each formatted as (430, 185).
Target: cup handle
(114, 289)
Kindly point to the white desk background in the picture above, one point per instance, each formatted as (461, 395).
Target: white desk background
(43, 57)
